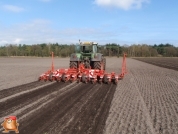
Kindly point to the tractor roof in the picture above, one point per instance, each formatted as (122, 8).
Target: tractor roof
(88, 43)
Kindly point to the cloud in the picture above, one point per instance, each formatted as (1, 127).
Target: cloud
(41, 31)
(122, 4)
(17, 40)
(12, 8)
(31, 32)
(11, 41)
(3, 42)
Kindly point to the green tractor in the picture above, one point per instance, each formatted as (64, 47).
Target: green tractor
(87, 53)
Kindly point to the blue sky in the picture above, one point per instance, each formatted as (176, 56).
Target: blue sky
(103, 21)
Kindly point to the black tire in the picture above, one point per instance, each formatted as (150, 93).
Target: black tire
(84, 78)
(73, 64)
(100, 81)
(109, 82)
(78, 80)
(115, 82)
(63, 78)
(51, 76)
(92, 82)
(100, 64)
(105, 80)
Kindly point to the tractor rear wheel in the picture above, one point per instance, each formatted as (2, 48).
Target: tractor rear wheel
(97, 65)
(73, 64)
(100, 64)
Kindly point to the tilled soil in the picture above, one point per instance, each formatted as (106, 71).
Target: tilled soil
(171, 63)
(60, 108)
(145, 101)
(16, 71)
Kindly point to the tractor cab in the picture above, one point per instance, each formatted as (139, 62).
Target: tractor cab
(86, 47)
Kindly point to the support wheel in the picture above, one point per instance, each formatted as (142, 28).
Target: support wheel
(92, 81)
(105, 79)
(109, 82)
(100, 81)
(84, 79)
(115, 82)
(51, 76)
(71, 80)
(63, 78)
(78, 80)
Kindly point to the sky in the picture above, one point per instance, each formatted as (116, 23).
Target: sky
(103, 21)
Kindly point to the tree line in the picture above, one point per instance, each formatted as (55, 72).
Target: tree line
(110, 49)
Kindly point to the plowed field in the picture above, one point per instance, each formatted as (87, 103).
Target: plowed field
(171, 63)
(145, 101)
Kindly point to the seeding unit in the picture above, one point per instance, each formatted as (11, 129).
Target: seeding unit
(82, 74)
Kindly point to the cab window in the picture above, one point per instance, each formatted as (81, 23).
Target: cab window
(77, 48)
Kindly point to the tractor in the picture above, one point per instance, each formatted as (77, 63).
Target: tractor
(87, 53)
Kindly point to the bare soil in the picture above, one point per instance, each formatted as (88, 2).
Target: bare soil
(17, 71)
(167, 62)
(145, 101)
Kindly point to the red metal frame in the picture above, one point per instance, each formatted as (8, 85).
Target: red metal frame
(81, 74)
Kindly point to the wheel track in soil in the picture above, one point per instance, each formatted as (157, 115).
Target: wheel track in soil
(126, 112)
(161, 102)
(145, 109)
(93, 112)
(7, 92)
(67, 102)
(61, 105)
(22, 100)
(42, 96)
